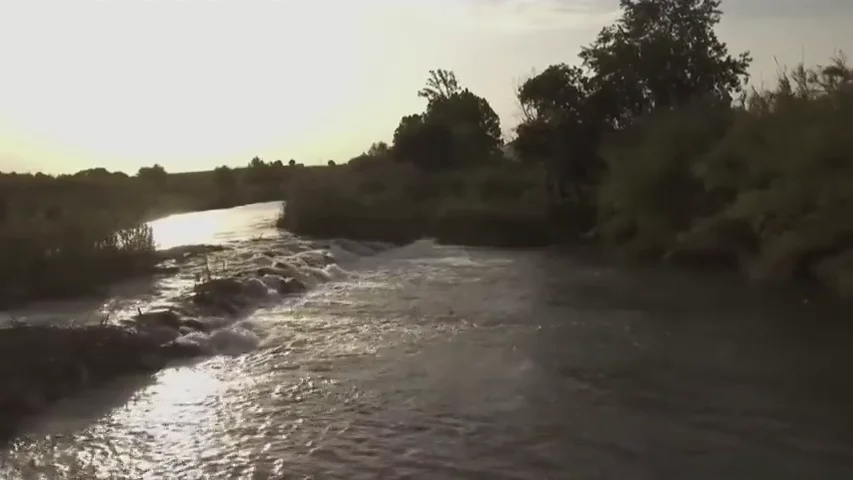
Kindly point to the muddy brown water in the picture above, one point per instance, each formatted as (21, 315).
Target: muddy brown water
(433, 362)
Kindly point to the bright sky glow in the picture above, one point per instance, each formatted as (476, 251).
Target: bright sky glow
(193, 84)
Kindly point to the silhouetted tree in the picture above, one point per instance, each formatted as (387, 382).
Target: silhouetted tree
(257, 163)
(331, 163)
(457, 127)
(379, 150)
(659, 54)
(428, 145)
(95, 173)
(440, 84)
(155, 174)
(292, 162)
(475, 125)
(258, 171)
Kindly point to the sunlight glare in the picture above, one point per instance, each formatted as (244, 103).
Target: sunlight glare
(186, 229)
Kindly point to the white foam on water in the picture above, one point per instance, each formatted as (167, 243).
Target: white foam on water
(309, 263)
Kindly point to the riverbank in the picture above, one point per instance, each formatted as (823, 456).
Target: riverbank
(42, 365)
(765, 187)
(496, 206)
(202, 308)
(74, 235)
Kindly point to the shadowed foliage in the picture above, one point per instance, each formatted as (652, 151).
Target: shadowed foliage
(74, 234)
(649, 142)
(457, 129)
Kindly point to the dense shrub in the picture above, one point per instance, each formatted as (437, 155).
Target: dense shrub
(768, 183)
(399, 203)
(62, 237)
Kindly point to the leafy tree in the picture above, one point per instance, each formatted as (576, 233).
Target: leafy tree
(564, 125)
(429, 145)
(379, 150)
(662, 54)
(440, 84)
(659, 55)
(458, 127)
(377, 154)
(475, 125)
(155, 174)
(292, 162)
(331, 163)
(257, 163)
(94, 173)
(258, 171)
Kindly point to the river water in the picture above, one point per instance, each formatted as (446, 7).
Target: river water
(434, 362)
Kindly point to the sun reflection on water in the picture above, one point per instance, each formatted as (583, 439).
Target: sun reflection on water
(169, 418)
(215, 226)
(187, 229)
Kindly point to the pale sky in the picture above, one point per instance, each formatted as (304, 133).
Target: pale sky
(192, 84)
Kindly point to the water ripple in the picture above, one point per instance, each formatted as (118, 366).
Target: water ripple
(439, 362)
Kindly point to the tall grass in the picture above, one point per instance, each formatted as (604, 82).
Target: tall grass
(61, 238)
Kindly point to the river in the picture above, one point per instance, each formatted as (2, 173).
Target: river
(443, 362)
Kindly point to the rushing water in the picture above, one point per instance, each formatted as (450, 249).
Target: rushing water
(433, 362)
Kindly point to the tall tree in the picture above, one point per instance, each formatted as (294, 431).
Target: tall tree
(258, 171)
(155, 174)
(426, 144)
(457, 128)
(440, 84)
(661, 54)
(475, 125)
(379, 149)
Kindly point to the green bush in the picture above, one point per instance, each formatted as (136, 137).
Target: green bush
(769, 181)
(650, 192)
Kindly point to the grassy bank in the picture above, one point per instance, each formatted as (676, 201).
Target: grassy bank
(69, 236)
(765, 185)
(501, 206)
(45, 364)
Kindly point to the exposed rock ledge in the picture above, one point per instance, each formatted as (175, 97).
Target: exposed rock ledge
(43, 364)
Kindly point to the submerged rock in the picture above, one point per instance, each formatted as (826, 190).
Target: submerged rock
(220, 287)
(159, 334)
(255, 288)
(166, 318)
(294, 285)
(196, 325)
